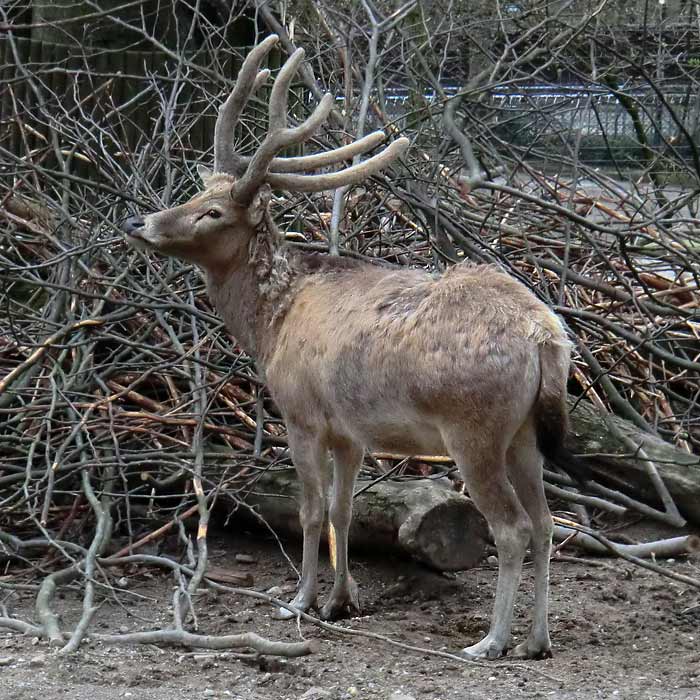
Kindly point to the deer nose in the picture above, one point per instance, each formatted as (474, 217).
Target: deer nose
(133, 223)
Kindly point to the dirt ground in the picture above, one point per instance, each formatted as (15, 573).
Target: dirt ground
(618, 632)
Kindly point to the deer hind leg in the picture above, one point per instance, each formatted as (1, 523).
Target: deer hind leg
(347, 460)
(310, 458)
(525, 471)
(484, 472)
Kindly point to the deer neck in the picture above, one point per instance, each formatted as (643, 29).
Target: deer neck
(252, 293)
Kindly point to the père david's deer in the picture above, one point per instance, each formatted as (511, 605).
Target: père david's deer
(359, 356)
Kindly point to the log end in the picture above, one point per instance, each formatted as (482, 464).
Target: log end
(450, 536)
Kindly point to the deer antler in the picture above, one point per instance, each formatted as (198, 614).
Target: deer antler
(226, 159)
(348, 176)
(263, 166)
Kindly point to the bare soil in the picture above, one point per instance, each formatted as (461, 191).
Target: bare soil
(618, 632)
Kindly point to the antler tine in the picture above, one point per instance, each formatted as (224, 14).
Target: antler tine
(280, 91)
(260, 79)
(279, 135)
(226, 159)
(298, 164)
(264, 167)
(348, 176)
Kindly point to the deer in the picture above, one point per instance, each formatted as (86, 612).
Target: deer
(360, 356)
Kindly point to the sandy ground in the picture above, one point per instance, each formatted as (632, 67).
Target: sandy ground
(618, 632)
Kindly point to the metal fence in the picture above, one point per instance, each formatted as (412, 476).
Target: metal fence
(601, 125)
(596, 123)
(125, 92)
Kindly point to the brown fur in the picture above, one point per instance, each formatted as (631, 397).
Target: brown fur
(362, 356)
(403, 340)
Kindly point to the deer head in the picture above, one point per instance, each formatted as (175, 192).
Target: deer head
(215, 227)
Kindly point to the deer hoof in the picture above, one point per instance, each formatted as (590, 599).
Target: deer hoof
(298, 604)
(333, 610)
(342, 604)
(486, 649)
(533, 650)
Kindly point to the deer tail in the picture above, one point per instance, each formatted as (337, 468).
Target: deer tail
(551, 412)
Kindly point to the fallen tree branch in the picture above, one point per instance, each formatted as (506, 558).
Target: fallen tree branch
(616, 550)
(423, 518)
(203, 641)
(614, 448)
(663, 549)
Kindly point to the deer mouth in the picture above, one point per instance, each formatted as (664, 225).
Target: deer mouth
(137, 240)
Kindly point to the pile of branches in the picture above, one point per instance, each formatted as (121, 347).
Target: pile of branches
(123, 400)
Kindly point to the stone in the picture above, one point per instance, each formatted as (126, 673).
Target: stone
(400, 695)
(37, 661)
(315, 693)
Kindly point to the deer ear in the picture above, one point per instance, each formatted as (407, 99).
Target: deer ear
(204, 173)
(258, 207)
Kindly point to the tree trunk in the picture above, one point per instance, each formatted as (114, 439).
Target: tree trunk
(611, 458)
(424, 518)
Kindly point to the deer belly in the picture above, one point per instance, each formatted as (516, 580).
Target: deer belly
(405, 438)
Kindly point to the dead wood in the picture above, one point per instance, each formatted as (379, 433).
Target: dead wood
(424, 518)
(670, 547)
(617, 463)
(113, 364)
(246, 640)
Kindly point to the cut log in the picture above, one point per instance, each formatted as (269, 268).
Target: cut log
(610, 457)
(423, 518)
(428, 520)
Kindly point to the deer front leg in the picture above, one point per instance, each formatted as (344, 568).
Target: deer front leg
(347, 460)
(311, 462)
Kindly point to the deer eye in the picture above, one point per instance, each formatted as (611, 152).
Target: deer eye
(214, 214)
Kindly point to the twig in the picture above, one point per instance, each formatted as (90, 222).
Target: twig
(620, 552)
